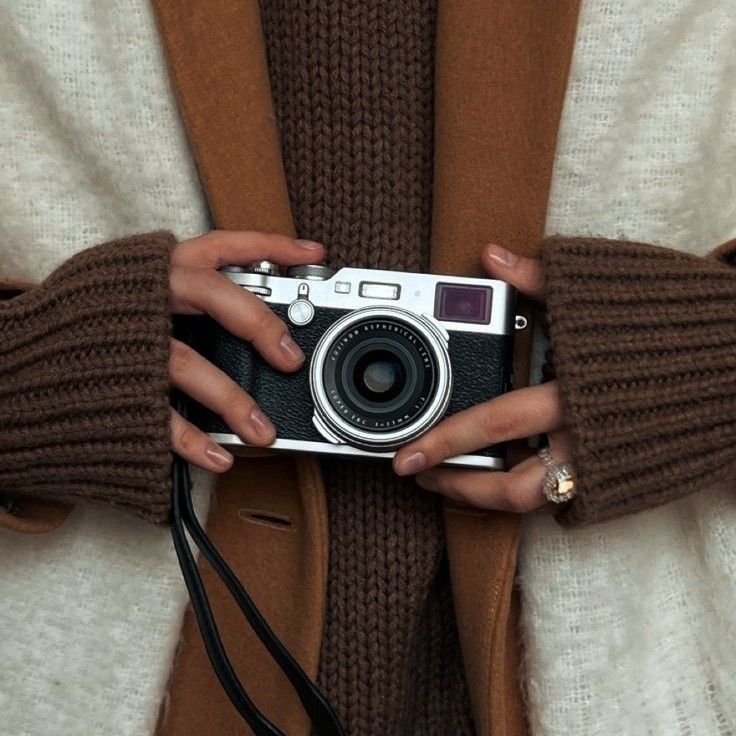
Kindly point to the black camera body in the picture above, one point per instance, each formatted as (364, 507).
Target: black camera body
(388, 355)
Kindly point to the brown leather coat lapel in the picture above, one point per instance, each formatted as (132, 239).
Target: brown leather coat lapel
(218, 68)
(217, 64)
(502, 71)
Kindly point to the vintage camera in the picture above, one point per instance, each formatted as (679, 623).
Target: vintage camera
(389, 354)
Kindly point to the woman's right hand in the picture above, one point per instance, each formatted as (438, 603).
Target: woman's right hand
(198, 288)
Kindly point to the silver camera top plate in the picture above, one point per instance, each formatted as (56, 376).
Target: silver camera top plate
(356, 288)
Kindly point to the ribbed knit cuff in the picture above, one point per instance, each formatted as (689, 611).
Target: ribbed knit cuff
(644, 345)
(84, 406)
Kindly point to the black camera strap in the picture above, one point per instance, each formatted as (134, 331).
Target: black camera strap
(324, 720)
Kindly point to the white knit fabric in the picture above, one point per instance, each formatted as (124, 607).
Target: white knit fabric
(91, 144)
(631, 626)
(91, 148)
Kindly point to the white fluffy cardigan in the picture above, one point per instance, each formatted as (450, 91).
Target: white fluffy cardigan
(629, 626)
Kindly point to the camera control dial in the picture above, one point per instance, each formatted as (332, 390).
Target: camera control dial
(310, 272)
(265, 267)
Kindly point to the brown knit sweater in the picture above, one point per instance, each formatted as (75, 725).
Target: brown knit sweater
(84, 408)
(353, 89)
(644, 343)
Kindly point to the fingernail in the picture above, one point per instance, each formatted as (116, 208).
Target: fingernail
(291, 350)
(501, 255)
(261, 423)
(309, 244)
(221, 458)
(412, 464)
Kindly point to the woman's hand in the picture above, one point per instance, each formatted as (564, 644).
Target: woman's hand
(196, 288)
(515, 415)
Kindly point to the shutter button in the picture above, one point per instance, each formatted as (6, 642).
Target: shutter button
(301, 310)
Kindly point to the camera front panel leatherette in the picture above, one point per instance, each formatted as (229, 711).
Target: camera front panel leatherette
(284, 397)
(481, 369)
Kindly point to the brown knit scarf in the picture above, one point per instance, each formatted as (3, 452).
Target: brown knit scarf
(353, 89)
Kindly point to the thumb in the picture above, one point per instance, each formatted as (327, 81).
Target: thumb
(526, 274)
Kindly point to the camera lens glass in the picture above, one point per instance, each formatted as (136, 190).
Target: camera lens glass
(379, 374)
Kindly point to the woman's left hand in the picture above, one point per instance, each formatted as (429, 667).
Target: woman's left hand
(515, 415)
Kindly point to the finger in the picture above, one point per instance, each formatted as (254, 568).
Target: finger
(519, 490)
(233, 248)
(238, 311)
(560, 443)
(517, 414)
(201, 380)
(196, 447)
(526, 274)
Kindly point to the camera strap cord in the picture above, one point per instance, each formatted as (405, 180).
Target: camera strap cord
(324, 720)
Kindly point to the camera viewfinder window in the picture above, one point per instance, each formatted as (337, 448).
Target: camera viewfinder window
(455, 303)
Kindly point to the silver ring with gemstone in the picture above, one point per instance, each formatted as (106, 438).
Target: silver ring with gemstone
(559, 482)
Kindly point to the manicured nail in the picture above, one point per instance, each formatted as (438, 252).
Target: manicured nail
(291, 350)
(412, 464)
(501, 255)
(261, 423)
(221, 458)
(309, 244)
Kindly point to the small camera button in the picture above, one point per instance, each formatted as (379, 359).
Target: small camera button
(342, 287)
(301, 312)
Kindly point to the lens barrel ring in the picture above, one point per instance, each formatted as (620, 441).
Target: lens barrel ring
(337, 414)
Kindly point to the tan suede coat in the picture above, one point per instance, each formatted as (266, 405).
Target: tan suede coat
(501, 74)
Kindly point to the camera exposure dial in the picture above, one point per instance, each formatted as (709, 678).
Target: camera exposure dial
(263, 267)
(310, 272)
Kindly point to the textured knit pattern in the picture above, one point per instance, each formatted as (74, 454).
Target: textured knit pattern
(629, 624)
(91, 149)
(352, 84)
(645, 351)
(353, 88)
(84, 381)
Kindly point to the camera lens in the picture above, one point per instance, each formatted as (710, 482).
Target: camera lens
(379, 377)
(379, 374)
